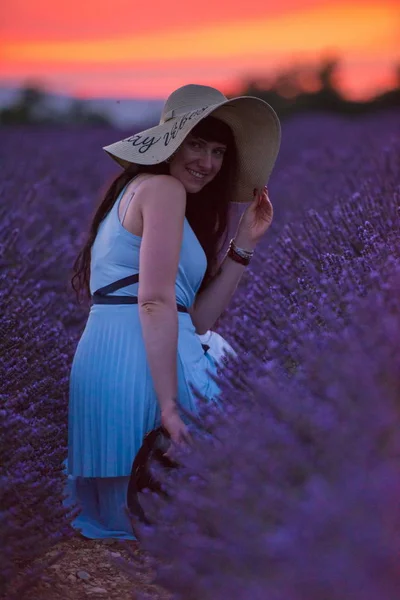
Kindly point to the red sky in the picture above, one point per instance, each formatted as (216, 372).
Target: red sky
(148, 48)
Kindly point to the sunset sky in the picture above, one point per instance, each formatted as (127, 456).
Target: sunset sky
(139, 48)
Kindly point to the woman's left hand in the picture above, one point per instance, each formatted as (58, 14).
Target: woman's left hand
(256, 219)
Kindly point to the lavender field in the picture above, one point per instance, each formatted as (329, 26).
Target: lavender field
(290, 493)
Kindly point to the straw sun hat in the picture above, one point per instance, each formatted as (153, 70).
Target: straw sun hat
(254, 124)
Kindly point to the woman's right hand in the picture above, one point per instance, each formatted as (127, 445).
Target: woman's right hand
(176, 428)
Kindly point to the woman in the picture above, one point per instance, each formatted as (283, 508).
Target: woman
(165, 217)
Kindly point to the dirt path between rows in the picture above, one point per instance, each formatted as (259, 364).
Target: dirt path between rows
(86, 570)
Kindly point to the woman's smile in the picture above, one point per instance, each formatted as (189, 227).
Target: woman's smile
(200, 159)
(196, 174)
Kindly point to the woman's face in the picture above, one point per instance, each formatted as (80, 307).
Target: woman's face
(197, 162)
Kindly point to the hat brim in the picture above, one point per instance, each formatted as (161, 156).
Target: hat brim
(255, 127)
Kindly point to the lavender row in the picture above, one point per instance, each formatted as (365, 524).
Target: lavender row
(290, 491)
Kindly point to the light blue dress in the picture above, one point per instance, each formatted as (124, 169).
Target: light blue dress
(112, 402)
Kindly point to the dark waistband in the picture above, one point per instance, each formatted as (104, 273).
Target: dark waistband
(100, 299)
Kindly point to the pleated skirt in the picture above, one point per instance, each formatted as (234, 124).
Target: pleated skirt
(112, 405)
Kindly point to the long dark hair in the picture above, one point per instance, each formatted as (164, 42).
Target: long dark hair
(207, 211)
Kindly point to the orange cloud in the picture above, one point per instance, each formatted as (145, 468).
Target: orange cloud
(26, 20)
(152, 62)
(369, 28)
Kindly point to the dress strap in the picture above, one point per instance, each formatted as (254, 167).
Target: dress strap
(100, 296)
(129, 201)
(126, 208)
(117, 285)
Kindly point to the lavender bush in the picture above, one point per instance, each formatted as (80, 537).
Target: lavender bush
(293, 495)
(273, 478)
(33, 373)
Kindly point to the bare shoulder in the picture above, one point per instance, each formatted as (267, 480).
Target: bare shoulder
(166, 183)
(158, 191)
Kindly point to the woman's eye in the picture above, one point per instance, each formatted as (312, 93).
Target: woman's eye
(195, 144)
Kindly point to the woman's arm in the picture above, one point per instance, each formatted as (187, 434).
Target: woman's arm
(211, 302)
(162, 200)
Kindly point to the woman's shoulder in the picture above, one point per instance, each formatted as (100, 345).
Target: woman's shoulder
(156, 181)
(157, 187)
(155, 191)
